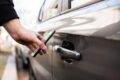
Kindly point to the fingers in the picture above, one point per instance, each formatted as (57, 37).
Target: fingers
(39, 36)
(37, 43)
(41, 51)
(33, 47)
(41, 45)
(30, 49)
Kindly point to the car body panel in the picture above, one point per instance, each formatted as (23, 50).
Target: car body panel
(95, 33)
(99, 59)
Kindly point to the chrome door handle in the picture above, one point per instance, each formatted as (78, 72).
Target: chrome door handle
(66, 53)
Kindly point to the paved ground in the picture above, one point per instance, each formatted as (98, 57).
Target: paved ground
(3, 60)
(7, 67)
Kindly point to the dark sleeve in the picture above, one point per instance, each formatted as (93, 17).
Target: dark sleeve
(7, 11)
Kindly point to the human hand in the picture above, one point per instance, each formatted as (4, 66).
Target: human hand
(23, 36)
(32, 41)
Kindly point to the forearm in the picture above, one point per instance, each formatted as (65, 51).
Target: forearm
(14, 28)
(10, 21)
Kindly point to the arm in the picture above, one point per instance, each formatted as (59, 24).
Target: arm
(10, 21)
(23, 36)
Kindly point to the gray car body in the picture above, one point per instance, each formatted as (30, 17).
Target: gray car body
(94, 31)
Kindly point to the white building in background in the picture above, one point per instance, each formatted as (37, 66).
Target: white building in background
(28, 11)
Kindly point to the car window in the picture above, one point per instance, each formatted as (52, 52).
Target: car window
(80, 3)
(49, 9)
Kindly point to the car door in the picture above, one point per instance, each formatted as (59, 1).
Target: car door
(92, 31)
(99, 59)
(99, 51)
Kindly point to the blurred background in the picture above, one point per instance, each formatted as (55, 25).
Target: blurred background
(28, 12)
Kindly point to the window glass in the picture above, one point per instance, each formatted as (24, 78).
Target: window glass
(80, 3)
(49, 9)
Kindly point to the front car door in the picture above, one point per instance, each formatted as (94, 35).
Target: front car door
(91, 30)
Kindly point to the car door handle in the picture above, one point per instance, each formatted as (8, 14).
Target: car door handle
(66, 53)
